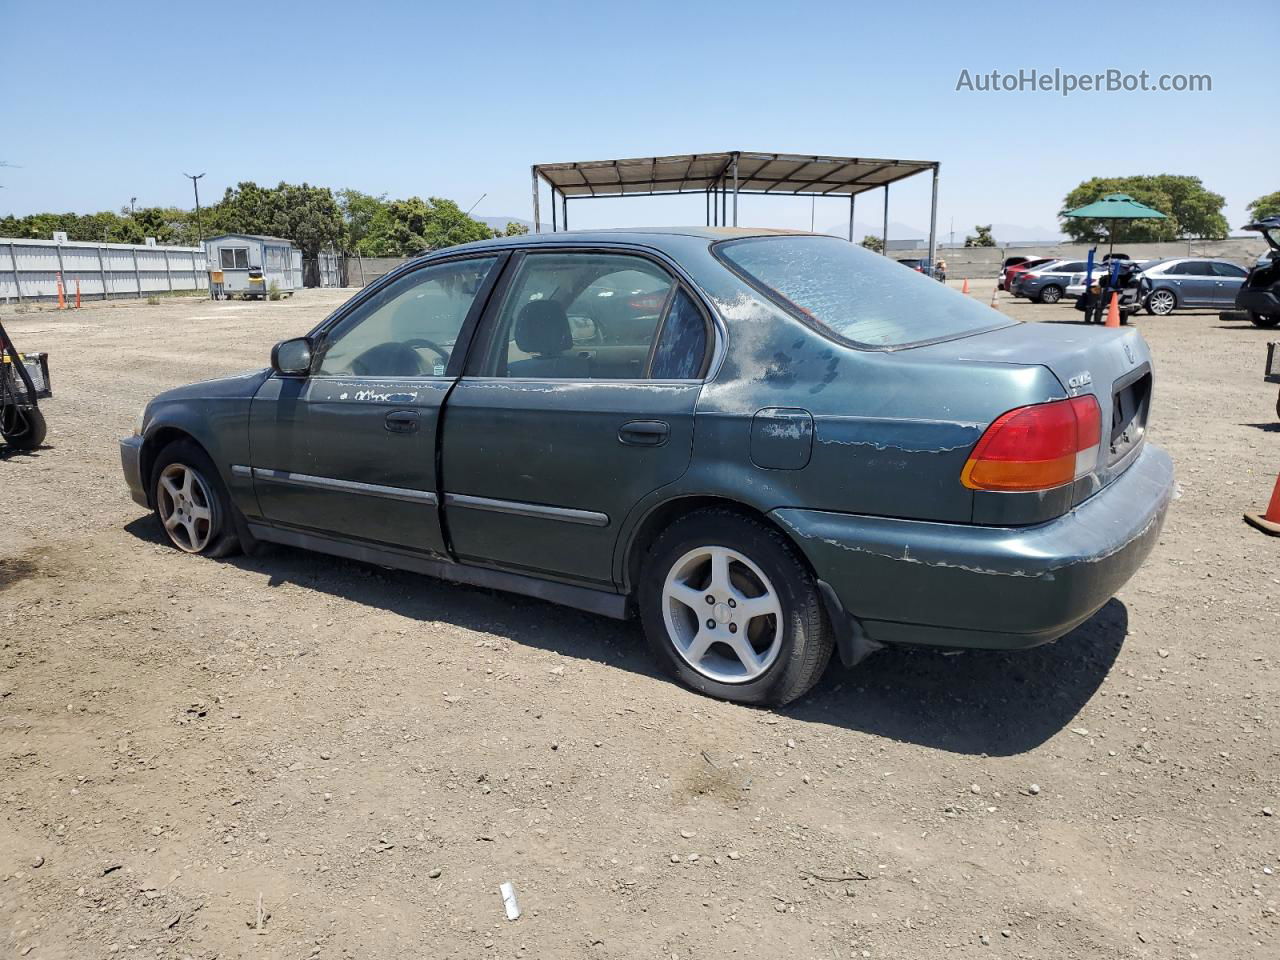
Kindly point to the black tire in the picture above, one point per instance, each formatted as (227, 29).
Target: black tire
(24, 428)
(221, 539)
(1263, 320)
(806, 640)
(1051, 293)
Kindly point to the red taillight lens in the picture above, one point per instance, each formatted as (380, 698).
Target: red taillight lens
(1037, 447)
(647, 302)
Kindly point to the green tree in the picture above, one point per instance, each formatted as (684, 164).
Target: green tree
(408, 227)
(983, 238)
(1265, 206)
(515, 229)
(1190, 209)
(359, 211)
(873, 243)
(307, 215)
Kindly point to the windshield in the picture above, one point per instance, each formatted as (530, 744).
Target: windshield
(857, 295)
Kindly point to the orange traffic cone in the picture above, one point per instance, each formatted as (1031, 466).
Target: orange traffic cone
(965, 287)
(995, 293)
(1113, 311)
(62, 300)
(1268, 522)
(77, 293)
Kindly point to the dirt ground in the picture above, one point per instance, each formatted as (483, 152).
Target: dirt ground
(288, 755)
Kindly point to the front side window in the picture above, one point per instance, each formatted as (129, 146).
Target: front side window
(410, 327)
(580, 316)
(859, 296)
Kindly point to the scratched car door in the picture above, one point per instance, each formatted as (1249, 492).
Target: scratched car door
(350, 449)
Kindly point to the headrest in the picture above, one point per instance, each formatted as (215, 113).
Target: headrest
(542, 328)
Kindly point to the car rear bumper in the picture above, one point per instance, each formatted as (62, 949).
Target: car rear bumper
(961, 585)
(1260, 301)
(131, 462)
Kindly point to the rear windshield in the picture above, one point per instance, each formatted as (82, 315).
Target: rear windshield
(860, 296)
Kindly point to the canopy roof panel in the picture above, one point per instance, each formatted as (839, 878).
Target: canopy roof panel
(758, 173)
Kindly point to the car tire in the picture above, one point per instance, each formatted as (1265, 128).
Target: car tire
(24, 429)
(769, 657)
(1264, 320)
(1161, 303)
(191, 503)
(1051, 293)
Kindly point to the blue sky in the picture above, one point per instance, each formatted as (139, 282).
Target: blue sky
(104, 102)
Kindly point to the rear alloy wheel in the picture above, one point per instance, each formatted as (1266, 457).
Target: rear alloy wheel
(1266, 321)
(190, 502)
(731, 609)
(1050, 294)
(1161, 303)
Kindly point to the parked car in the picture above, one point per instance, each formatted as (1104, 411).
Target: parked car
(1012, 271)
(805, 449)
(1008, 262)
(922, 265)
(1260, 292)
(1048, 283)
(1192, 282)
(1076, 287)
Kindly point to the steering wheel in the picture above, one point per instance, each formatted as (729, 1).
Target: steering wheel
(430, 345)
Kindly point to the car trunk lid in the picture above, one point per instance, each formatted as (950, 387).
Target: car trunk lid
(1113, 365)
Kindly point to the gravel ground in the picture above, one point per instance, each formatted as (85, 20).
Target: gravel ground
(293, 756)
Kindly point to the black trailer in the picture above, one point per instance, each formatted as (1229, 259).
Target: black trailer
(24, 381)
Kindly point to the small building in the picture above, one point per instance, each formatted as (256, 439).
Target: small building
(250, 264)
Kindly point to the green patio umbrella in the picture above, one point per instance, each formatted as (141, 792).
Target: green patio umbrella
(1115, 206)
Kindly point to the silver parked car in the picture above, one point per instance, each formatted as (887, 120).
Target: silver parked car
(1192, 282)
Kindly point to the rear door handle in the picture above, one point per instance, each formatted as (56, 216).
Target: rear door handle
(402, 421)
(644, 433)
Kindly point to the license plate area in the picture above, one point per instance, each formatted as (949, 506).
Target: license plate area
(1130, 403)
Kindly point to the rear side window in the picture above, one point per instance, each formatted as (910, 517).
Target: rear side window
(1228, 270)
(682, 345)
(857, 295)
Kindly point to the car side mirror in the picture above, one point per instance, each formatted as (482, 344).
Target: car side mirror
(292, 358)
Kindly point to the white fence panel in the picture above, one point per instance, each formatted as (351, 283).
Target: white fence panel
(29, 269)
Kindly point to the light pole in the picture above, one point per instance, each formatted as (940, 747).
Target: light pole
(132, 201)
(196, 187)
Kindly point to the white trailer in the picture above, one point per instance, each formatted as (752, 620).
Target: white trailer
(251, 264)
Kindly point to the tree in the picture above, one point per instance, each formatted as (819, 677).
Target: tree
(359, 210)
(873, 243)
(1265, 206)
(408, 227)
(515, 229)
(983, 239)
(307, 215)
(1189, 208)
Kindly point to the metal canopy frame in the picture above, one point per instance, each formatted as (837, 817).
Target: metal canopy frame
(723, 177)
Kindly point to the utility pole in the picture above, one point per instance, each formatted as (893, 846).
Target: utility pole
(132, 201)
(196, 187)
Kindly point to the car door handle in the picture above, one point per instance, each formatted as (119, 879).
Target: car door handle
(644, 433)
(402, 421)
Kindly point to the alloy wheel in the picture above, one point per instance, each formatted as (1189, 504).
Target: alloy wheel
(185, 504)
(722, 614)
(1161, 303)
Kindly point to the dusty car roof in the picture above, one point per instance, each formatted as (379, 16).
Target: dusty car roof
(649, 235)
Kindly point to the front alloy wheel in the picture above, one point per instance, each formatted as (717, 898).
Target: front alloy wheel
(185, 505)
(722, 614)
(1051, 294)
(1161, 303)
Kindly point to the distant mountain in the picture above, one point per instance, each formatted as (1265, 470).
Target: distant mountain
(500, 223)
(1003, 232)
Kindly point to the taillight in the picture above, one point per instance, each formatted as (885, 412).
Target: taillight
(651, 302)
(1037, 447)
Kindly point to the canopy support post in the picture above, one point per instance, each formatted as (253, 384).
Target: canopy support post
(884, 235)
(852, 198)
(537, 220)
(555, 224)
(933, 224)
(564, 209)
(735, 188)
